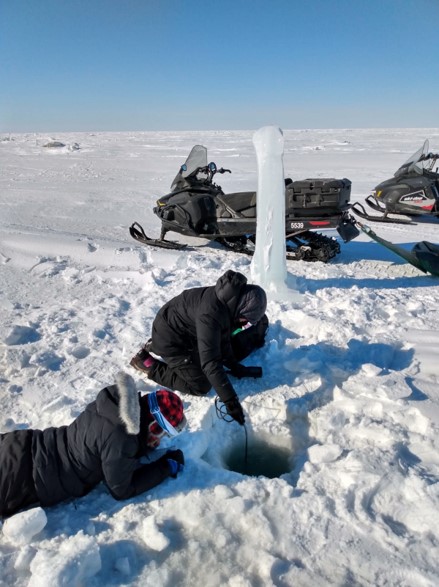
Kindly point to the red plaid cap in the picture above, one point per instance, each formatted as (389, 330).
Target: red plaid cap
(170, 406)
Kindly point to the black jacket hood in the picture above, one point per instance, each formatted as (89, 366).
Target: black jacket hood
(228, 289)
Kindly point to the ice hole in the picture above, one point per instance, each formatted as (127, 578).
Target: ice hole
(261, 458)
(277, 443)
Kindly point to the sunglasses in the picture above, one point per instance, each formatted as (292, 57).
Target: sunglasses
(156, 430)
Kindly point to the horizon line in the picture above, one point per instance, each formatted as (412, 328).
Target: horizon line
(302, 129)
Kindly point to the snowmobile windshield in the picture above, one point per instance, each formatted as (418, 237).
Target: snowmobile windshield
(413, 164)
(197, 158)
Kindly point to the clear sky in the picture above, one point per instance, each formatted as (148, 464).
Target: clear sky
(115, 65)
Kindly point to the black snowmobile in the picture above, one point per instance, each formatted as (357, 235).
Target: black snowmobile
(412, 192)
(196, 206)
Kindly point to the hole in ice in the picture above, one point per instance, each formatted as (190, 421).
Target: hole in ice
(266, 458)
(277, 442)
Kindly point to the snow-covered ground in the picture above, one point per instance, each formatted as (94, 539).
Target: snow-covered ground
(350, 386)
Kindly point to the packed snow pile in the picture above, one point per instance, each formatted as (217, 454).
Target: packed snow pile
(74, 561)
(347, 410)
(152, 535)
(22, 527)
(54, 145)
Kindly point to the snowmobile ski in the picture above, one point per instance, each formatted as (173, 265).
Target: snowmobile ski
(360, 210)
(138, 234)
(309, 246)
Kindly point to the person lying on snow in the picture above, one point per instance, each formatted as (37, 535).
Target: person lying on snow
(104, 443)
(202, 330)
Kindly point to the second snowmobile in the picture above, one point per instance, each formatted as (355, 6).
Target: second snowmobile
(412, 192)
(196, 206)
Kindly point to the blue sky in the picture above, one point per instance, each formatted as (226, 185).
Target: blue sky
(116, 65)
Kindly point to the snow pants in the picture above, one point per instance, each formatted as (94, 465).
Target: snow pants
(188, 376)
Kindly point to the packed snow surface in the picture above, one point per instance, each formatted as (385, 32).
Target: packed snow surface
(350, 385)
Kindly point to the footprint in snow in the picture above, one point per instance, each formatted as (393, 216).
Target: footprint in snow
(80, 352)
(21, 335)
(4, 259)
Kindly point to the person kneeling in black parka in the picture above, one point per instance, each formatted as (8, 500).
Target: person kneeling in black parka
(203, 331)
(104, 443)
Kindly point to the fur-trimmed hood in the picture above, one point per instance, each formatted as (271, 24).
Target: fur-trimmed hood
(120, 403)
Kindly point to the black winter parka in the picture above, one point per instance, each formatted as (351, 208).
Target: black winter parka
(104, 443)
(200, 320)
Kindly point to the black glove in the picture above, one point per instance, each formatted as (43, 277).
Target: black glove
(175, 460)
(234, 409)
(241, 371)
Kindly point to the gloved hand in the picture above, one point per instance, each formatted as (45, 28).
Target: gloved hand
(175, 460)
(234, 409)
(241, 371)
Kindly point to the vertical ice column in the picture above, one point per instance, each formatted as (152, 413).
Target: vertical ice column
(268, 267)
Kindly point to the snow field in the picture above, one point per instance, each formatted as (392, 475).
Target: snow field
(350, 382)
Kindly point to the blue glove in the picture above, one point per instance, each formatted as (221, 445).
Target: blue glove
(174, 467)
(175, 460)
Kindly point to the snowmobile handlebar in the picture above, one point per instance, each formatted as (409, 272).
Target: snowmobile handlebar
(210, 170)
(428, 156)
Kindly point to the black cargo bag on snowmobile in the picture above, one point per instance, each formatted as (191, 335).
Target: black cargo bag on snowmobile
(308, 197)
